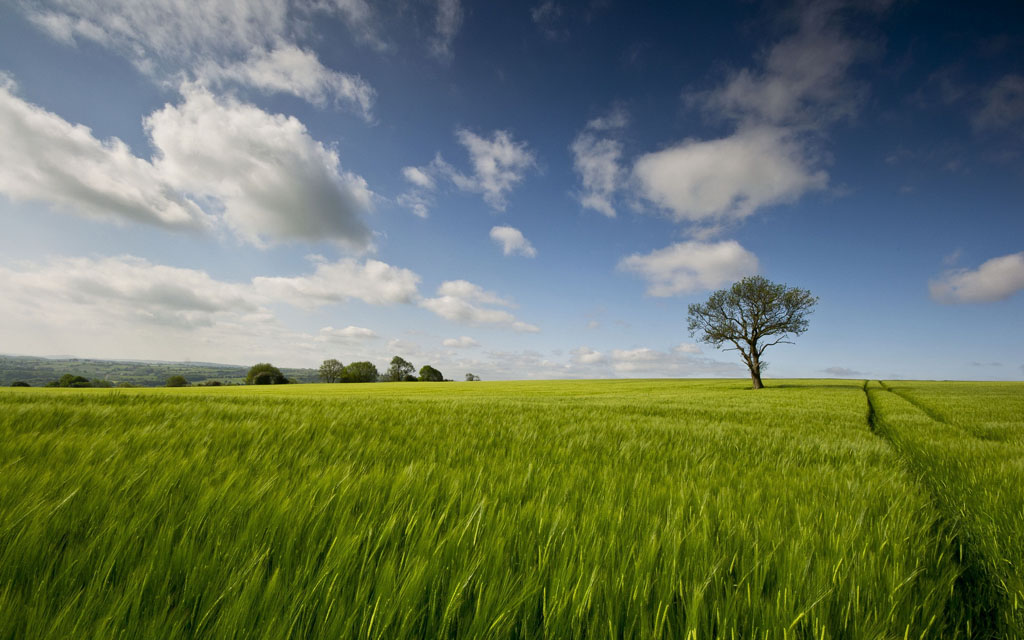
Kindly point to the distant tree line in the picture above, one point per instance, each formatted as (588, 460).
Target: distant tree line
(400, 370)
(264, 373)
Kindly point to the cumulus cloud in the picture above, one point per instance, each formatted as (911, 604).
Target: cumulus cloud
(462, 301)
(781, 107)
(371, 281)
(248, 43)
(996, 279)
(586, 355)
(273, 181)
(598, 163)
(289, 69)
(447, 22)
(346, 334)
(512, 242)
(261, 174)
(597, 159)
(418, 177)
(802, 81)
(499, 164)
(686, 267)
(647, 362)
(45, 158)
(727, 178)
(463, 342)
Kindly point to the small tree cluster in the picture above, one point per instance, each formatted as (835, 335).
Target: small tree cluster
(472, 377)
(178, 381)
(78, 382)
(333, 370)
(400, 370)
(265, 373)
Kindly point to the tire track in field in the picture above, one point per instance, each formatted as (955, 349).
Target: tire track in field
(976, 595)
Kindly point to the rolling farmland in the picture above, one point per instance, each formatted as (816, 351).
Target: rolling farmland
(599, 509)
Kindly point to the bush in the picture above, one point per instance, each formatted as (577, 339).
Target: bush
(275, 375)
(20, 383)
(178, 381)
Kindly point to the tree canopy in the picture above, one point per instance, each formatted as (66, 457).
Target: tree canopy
(331, 370)
(177, 381)
(400, 370)
(274, 375)
(752, 315)
(360, 372)
(430, 374)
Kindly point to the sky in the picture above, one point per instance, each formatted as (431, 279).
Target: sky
(520, 190)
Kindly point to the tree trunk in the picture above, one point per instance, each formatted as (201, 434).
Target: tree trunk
(755, 368)
(755, 377)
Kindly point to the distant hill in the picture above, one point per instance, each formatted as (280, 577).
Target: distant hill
(144, 373)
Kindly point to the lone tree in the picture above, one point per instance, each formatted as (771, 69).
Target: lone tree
(360, 372)
(430, 374)
(274, 375)
(331, 370)
(400, 370)
(753, 314)
(178, 381)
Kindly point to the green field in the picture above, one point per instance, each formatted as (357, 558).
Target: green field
(597, 509)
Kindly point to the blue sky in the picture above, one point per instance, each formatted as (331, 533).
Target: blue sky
(513, 189)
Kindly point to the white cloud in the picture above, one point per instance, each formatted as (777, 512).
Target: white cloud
(346, 334)
(1003, 105)
(782, 107)
(463, 342)
(469, 291)
(418, 177)
(687, 267)
(272, 180)
(803, 80)
(289, 69)
(586, 355)
(415, 202)
(727, 178)
(499, 164)
(597, 161)
(371, 281)
(222, 40)
(447, 23)
(617, 118)
(45, 158)
(512, 241)
(996, 279)
(460, 301)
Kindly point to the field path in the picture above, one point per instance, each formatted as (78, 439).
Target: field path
(944, 459)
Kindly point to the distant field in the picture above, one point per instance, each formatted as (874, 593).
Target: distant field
(598, 509)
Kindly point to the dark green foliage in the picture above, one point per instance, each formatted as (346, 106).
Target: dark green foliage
(274, 375)
(430, 374)
(472, 377)
(331, 370)
(360, 372)
(178, 381)
(752, 315)
(399, 370)
(263, 377)
(20, 383)
(70, 380)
